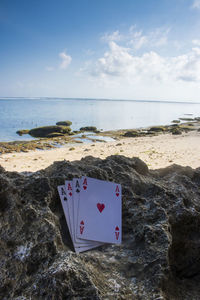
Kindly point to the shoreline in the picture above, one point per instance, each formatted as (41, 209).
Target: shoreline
(82, 137)
(157, 151)
(157, 146)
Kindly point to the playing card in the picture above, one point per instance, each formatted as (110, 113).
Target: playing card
(64, 202)
(79, 247)
(99, 217)
(76, 187)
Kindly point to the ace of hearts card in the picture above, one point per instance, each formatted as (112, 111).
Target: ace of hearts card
(100, 211)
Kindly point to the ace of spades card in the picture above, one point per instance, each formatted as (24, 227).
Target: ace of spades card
(64, 202)
(100, 212)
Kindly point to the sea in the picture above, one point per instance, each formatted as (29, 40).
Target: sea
(105, 114)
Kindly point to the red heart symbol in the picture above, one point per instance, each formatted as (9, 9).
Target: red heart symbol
(100, 207)
(117, 228)
(117, 194)
(84, 187)
(70, 193)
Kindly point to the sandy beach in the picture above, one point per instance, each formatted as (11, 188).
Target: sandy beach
(156, 151)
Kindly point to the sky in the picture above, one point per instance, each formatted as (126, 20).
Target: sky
(114, 49)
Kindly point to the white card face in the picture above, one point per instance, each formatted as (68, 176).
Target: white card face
(79, 247)
(76, 188)
(100, 212)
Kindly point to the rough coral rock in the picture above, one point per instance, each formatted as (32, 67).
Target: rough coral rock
(158, 259)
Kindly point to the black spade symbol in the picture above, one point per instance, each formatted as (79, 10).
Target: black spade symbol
(65, 199)
(77, 190)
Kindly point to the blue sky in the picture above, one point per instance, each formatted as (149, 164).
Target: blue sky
(120, 49)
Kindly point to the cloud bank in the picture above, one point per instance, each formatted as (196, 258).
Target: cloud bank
(124, 61)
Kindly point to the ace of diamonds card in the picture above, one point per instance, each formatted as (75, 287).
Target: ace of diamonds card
(100, 211)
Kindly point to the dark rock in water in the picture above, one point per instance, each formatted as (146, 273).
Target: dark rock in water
(47, 130)
(158, 259)
(176, 121)
(23, 131)
(89, 128)
(187, 119)
(176, 131)
(131, 133)
(64, 123)
(157, 128)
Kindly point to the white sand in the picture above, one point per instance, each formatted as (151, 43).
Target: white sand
(157, 152)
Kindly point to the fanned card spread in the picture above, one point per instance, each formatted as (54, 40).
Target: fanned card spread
(93, 211)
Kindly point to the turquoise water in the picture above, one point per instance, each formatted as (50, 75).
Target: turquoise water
(26, 113)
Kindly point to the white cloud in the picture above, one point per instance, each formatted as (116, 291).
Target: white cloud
(114, 36)
(137, 39)
(66, 60)
(119, 64)
(196, 4)
(156, 38)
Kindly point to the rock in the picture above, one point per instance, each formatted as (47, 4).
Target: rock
(157, 128)
(47, 130)
(186, 128)
(176, 121)
(54, 134)
(131, 133)
(64, 123)
(89, 128)
(23, 131)
(176, 131)
(186, 119)
(159, 256)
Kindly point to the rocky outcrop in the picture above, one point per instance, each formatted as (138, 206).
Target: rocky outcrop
(64, 123)
(158, 259)
(48, 131)
(89, 128)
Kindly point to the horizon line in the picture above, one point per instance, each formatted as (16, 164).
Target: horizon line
(100, 99)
